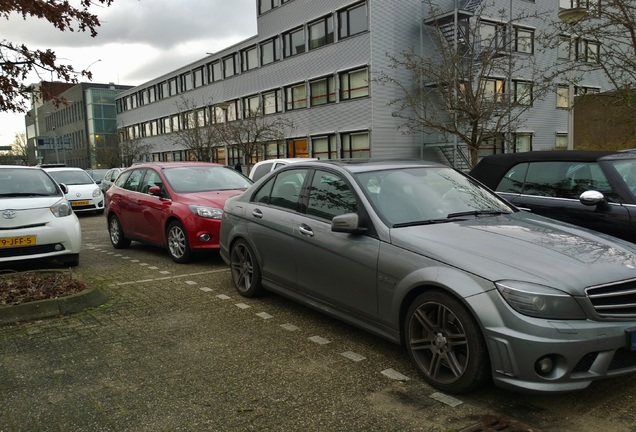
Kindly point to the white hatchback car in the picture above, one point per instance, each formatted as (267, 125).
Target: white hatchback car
(263, 167)
(83, 193)
(36, 220)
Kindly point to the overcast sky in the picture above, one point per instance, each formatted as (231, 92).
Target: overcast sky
(137, 41)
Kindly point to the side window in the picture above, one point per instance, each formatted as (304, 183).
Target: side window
(548, 179)
(513, 181)
(588, 176)
(262, 195)
(261, 170)
(132, 182)
(121, 180)
(330, 196)
(150, 179)
(287, 187)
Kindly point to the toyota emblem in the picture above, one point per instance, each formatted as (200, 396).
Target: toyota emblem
(8, 214)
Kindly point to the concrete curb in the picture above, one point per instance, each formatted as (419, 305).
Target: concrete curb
(90, 297)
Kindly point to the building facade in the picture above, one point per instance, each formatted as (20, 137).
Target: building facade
(81, 131)
(316, 64)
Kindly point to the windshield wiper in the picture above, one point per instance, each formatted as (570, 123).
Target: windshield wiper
(21, 194)
(424, 222)
(477, 213)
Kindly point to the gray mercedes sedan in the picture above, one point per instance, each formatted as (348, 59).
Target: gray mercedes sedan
(422, 255)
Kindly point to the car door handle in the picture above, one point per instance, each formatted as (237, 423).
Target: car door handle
(305, 230)
(257, 214)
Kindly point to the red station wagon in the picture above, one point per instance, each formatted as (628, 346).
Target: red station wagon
(177, 205)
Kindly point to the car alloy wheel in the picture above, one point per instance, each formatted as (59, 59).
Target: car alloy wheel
(445, 343)
(178, 245)
(117, 234)
(246, 273)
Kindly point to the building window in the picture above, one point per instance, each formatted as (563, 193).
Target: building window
(214, 71)
(563, 50)
(229, 66)
(492, 146)
(163, 90)
(563, 96)
(322, 91)
(249, 59)
(267, 5)
(352, 21)
(523, 142)
(175, 123)
(324, 147)
(355, 145)
(152, 95)
(269, 51)
(492, 36)
(321, 32)
(296, 97)
(272, 102)
(587, 51)
(524, 40)
(354, 84)
(232, 111)
(251, 106)
(197, 77)
(164, 125)
(294, 42)
(523, 92)
(173, 86)
(585, 90)
(561, 141)
(494, 88)
(186, 81)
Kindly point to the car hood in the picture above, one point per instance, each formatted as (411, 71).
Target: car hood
(524, 247)
(210, 198)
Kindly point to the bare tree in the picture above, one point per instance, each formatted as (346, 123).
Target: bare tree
(195, 131)
(456, 88)
(250, 133)
(17, 61)
(19, 148)
(133, 150)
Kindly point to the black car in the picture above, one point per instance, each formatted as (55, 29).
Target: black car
(592, 189)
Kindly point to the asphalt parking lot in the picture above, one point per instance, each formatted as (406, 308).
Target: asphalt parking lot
(176, 349)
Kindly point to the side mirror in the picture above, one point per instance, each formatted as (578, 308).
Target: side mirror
(154, 190)
(64, 188)
(591, 197)
(347, 223)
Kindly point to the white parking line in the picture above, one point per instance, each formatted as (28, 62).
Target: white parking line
(264, 315)
(289, 327)
(353, 356)
(395, 375)
(319, 340)
(446, 399)
(242, 306)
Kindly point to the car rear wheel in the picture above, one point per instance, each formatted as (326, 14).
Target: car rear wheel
(117, 237)
(445, 343)
(246, 273)
(178, 245)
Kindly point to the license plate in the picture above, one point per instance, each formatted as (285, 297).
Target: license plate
(78, 203)
(631, 339)
(17, 241)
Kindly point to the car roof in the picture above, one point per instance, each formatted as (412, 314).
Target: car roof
(173, 164)
(492, 168)
(63, 169)
(355, 166)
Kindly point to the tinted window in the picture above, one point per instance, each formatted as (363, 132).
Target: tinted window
(150, 179)
(262, 195)
(514, 179)
(287, 187)
(132, 181)
(330, 196)
(261, 170)
(121, 180)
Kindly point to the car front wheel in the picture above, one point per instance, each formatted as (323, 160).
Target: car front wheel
(445, 343)
(117, 237)
(178, 245)
(246, 273)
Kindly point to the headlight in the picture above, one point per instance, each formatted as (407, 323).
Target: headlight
(97, 192)
(61, 208)
(206, 212)
(539, 301)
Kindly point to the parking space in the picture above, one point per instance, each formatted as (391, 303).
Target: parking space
(175, 348)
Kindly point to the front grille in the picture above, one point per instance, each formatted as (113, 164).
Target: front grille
(623, 359)
(614, 301)
(585, 363)
(27, 250)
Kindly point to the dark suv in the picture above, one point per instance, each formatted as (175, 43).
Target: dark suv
(592, 189)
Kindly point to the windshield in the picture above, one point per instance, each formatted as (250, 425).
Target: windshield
(16, 182)
(427, 195)
(626, 169)
(74, 177)
(205, 179)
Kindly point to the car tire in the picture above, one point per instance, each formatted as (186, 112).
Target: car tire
(117, 237)
(246, 272)
(445, 343)
(178, 245)
(71, 260)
